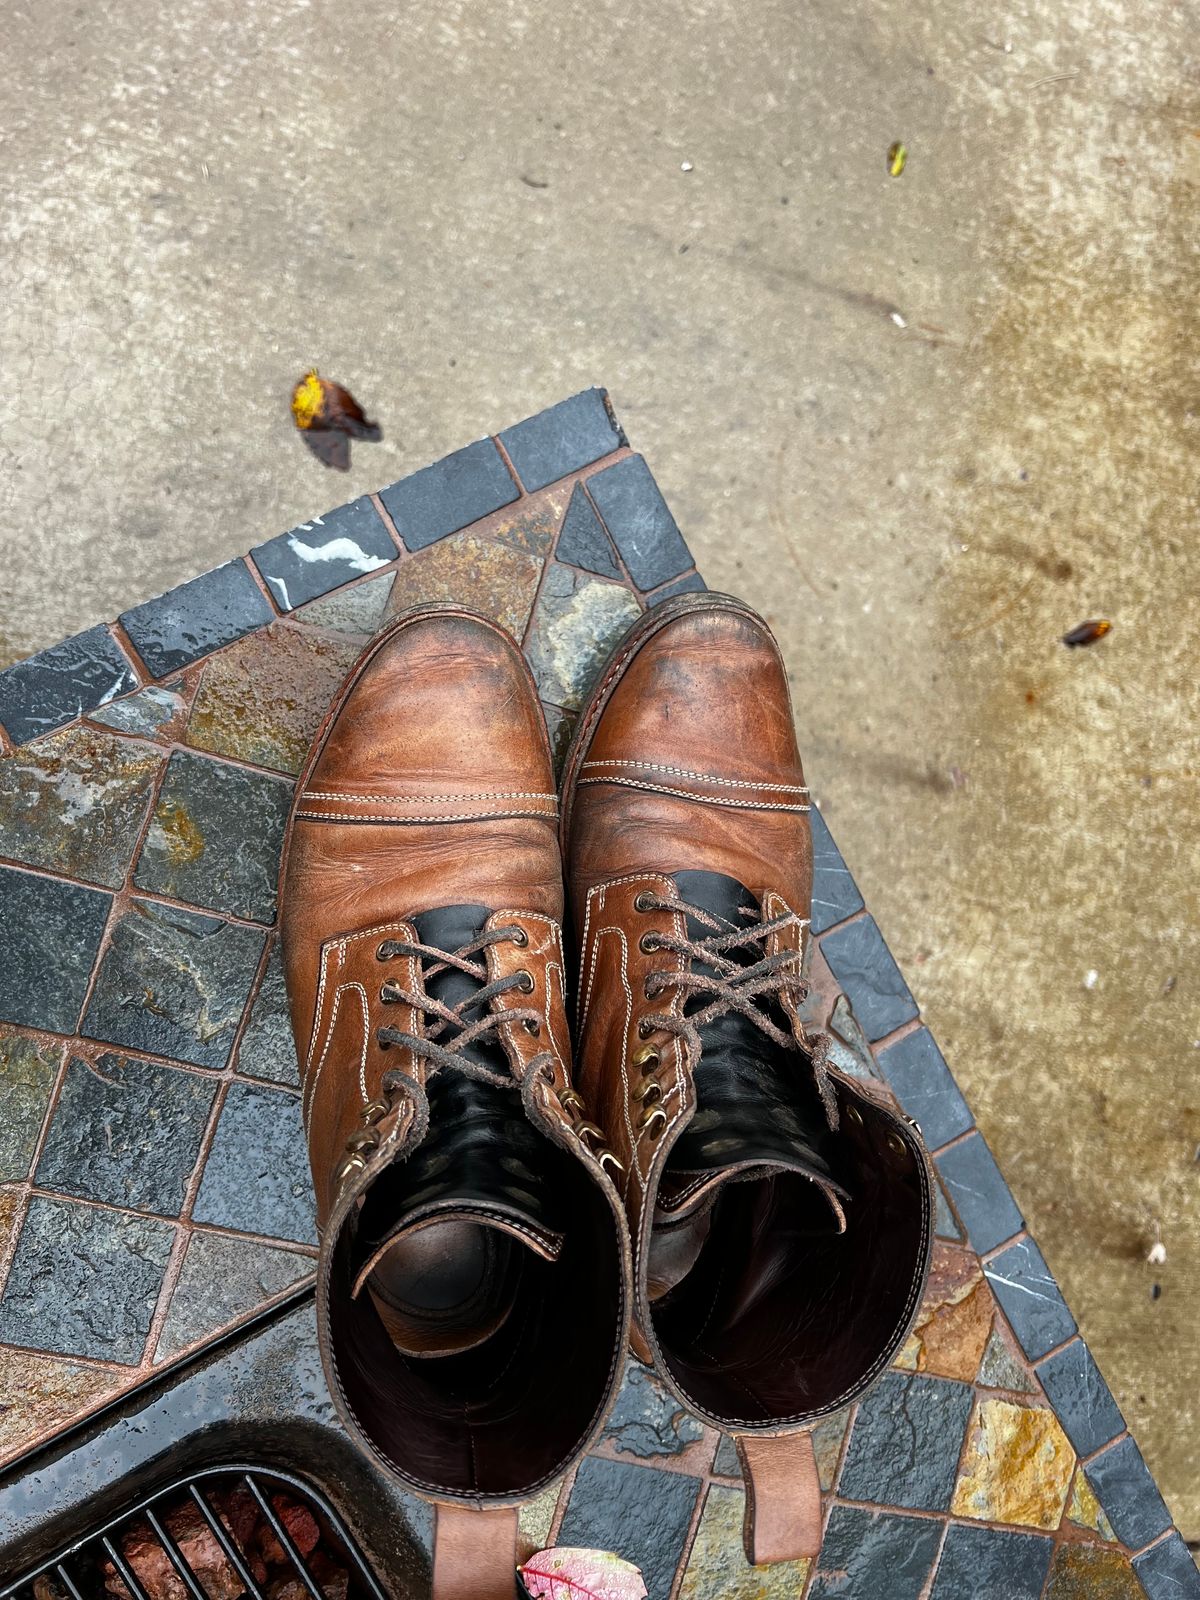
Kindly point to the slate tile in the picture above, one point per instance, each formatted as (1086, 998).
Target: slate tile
(863, 966)
(1030, 1298)
(576, 622)
(641, 1514)
(867, 1555)
(835, 894)
(716, 1568)
(355, 610)
(450, 494)
(268, 1047)
(1130, 1497)
(583, 541)
(725, 1462)
(145, 713)
(692, 583)
(1092, 1572)
(641, 526)
(988, 1564)
(562, 439)
(215, 837)
(1083, 1509)
(945, 1224)
(27, 1073)
(921, 1081)
(49, 936)
(314, 557)
(57, 685)
(222, 1281)
(531, 523)
(84, 1282)
(200, 616)
(263, 700)
(75, 803)
(905, 1443)
(1080, 1396)
(647, 1420)
(560, 727)
(488, 576)
(1168, 1572)
(126, 1132)
(1000, 1367)
(849, 1050)
(173, 983)
(54, 1391)
(256, 1178)
(979, 1193)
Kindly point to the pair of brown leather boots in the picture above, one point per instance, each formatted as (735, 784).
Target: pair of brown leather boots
(499, 1190)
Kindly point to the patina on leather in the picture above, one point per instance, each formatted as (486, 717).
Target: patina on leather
(471, 1293)
(780, 1210)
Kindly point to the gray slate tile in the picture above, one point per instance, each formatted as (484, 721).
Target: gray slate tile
(257, 1177)
(450, 494)
(921, 1081)
(863, 966)
(1081, 1398)
(49, 936)
(143, 713)
(991, 1564)
(1168, 1572)
(576, 622)
(200, 616)
(583, 541)
(647, 1420)
(980, 1195)
(639, 521)
(835, 894)
(640, 1513)
(315, 557)
(84, 1282)
(215, 837)
(1128, 1494)
(268, 1047)
(874, 1556)
(564, 438)
(126, 1132)
(906, 1441)
(1030, 1298)
(52, 688)
(173, 983)
(222, 1280)
(27, 1073)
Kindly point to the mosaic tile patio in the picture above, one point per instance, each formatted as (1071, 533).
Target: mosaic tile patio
(153, 1181)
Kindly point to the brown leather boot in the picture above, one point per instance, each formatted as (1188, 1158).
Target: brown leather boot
(472, 1285)
(780, 1214)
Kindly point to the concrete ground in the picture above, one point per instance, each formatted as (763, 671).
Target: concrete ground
(926, 423)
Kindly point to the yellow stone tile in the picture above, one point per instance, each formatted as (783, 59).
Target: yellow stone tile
(535, 1520)
(717, 1569)
(1085, 1510)
(52, 1390)
(1017, 1467)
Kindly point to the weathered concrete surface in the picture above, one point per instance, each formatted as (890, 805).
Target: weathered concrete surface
(467, 212)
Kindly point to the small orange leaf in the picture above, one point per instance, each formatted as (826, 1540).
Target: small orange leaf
(567, 1574)
(1087, 633)
(320, 403)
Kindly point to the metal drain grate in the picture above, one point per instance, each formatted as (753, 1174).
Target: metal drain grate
(182, 1543)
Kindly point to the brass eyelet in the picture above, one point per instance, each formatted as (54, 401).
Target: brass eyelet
(351, 1164)
(525, 981)
(647, 1058)
(643, 902)
(569, 1100)
(644, 1029)
(607, 1159)
(648, 1091)
(896, 1143)
(652, 1122)
(387, 994)
(376, 1109)
(519, 936)
(533, 1026)
(854, 1115)
(382, 953)
(366, 1139)
(649, 943)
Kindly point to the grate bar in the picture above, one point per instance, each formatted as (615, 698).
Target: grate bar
(67, 1581)
(284, 1537)
(125, 1571)
(175, 1555)
(232, 1554)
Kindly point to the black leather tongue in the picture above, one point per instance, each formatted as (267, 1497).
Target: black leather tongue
(757, 1111)
(441, 1235)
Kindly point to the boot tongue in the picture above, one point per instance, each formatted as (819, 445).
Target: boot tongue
(441, 1233)
(757, 1111)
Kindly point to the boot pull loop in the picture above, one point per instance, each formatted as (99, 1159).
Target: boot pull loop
(474, 1552)
(783, 1496)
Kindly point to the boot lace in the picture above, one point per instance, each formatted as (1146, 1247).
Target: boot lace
(733, 985)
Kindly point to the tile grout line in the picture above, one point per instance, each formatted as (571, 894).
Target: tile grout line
(689, 1538)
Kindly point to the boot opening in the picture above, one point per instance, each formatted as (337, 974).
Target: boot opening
(782, 1312)
(473, 1363)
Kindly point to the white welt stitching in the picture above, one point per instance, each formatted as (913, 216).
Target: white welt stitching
(457, 816)
(704, 777)
(686, 794)
(424, 800)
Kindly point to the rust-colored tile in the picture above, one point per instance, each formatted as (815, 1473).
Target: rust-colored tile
(41, 1394)
(1091, 1572)
(263, 699)
(952, 1327)
(530, 524)
(1017, 1467)
(490, 577)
